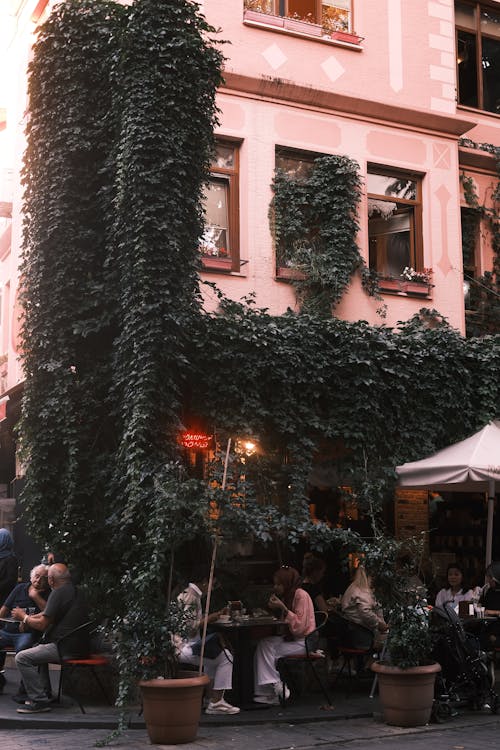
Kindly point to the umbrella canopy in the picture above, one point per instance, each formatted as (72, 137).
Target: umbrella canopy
(471, 465)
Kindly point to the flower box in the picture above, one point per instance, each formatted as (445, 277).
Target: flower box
(416, 288)
(213, 262)
(285, 272)
(263, 18)
(303, 27)
(346, 36)
(389, 285)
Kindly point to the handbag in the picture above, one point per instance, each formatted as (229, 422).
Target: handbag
(213, 646)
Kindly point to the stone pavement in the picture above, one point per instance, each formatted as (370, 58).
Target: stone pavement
(302, 725)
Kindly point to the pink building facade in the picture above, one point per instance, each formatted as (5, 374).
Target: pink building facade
(393, 85)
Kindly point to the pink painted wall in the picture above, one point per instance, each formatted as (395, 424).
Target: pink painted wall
(407, 59)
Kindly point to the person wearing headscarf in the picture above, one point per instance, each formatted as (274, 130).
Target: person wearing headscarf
(8, 565)
(296, 610)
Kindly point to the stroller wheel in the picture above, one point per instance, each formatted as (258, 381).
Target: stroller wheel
(441, 711)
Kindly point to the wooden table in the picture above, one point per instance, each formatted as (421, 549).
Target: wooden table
(242, 634)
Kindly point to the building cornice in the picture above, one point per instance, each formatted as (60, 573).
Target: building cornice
(277, 89)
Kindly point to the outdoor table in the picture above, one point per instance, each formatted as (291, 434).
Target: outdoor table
(9, 619)
(242, 633)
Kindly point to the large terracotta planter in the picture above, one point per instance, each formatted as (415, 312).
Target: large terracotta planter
(172, 708)
(406, 695)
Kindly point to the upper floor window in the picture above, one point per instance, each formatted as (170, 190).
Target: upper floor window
(220, 242)
(478, 55)
(394, 221)
(333, 15)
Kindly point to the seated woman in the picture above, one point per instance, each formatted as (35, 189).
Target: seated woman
(313, 571)
(457, 591)
(297, 611)
(359, 605)
(32, 596)
(220, 668)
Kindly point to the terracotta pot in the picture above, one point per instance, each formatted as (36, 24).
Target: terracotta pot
(416, 288)
(389, 285)
(406, 695)
(172, 708)
(346, 36)
(264, 18)
(303, 27)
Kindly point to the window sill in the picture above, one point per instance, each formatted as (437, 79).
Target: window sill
(284, 273)
(221, 265)
(303, 29)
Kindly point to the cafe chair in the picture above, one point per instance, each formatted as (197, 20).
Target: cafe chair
(312, 659)
(353, 644)
(91, 662)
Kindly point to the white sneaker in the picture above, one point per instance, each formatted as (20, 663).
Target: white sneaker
(221, 707)
(281, 690)
(268, 699)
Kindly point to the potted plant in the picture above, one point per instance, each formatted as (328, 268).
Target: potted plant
(389, 284)
(416, 282)
(407, 671)
(146, 631)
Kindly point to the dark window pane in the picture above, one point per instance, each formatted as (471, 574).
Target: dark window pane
(467, 69)
(390, 247)
(491, 74)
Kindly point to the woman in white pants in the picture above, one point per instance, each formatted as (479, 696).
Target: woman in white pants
(220, 669)
(297, 611)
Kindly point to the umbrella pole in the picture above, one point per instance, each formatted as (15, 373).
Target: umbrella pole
(489, 524)
(212, 568)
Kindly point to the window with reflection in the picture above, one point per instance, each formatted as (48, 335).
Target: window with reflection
(220, 238)
(333, 15)
(394, 221)
(478, 55)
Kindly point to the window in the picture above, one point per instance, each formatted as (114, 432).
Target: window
(469, 218)
(297, 166)
(478, 55)
(220, 242)
(333, 15)
(394, 221)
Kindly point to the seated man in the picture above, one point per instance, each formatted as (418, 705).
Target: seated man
(65, 610)
(31, 597)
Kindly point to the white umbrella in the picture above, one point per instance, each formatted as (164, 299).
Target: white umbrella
(471, 465)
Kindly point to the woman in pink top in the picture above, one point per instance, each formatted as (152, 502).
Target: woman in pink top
(297, 611)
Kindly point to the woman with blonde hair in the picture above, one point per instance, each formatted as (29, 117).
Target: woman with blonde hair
(358, 604)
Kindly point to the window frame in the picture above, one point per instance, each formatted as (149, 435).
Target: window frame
(282, 9)
(477, 6)
(416, 218)
(232, 177)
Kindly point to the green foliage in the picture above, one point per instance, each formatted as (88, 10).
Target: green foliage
(117, 350)
(314, 221)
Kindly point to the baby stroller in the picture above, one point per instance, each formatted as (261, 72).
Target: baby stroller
(467, 674)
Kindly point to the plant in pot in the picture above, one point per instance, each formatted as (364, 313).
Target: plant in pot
(144, 631)
(407, 670)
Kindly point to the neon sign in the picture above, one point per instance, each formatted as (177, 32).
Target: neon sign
(195, 440)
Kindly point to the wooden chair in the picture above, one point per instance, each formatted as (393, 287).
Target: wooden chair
(90, 662)
(311, 659)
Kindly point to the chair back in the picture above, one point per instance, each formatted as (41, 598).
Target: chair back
(351, 634)
(312, 640)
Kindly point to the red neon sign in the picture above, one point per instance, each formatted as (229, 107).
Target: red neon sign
(195, 440)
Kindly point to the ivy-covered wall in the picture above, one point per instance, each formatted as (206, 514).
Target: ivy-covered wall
(118, 351)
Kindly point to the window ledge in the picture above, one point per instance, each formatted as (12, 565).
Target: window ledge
(303, 29)
(221, 265)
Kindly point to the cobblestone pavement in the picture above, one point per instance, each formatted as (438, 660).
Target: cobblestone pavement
(362, 734)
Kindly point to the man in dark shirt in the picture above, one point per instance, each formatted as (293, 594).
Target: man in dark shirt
(32, 597)
(65, 610)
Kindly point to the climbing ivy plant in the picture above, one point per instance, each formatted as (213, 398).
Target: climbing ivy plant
(118, 351)
(314, 223)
